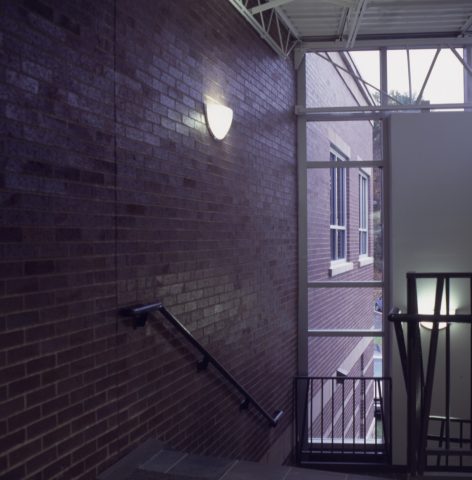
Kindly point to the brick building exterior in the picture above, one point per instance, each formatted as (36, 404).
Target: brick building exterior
(114, 193)
(339, 308)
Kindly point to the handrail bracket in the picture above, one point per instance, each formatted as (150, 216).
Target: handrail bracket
(203, 363)
(140, 314)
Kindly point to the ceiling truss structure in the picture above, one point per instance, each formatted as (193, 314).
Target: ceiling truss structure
(270, 23)
(323, 26)
(334, 25)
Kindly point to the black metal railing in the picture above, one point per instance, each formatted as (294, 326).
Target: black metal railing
(343, 419)
(435, 442)
(140, 315)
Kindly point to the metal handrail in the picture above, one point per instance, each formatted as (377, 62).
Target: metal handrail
(140, 314)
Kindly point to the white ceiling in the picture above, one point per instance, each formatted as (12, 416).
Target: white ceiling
(323, 25)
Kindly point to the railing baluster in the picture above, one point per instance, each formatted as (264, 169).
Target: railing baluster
(332, 415)
(353, 416)
(310, 439)
(461, 438)
(364, 433)
(322, 414)
(342, 414)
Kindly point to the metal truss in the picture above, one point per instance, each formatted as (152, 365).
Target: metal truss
(371, 108)
(270, 23)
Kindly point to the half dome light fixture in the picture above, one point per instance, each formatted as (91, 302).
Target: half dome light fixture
(219, 119)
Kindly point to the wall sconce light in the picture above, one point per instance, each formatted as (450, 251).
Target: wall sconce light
(219, 119)
(429, 325)
(426, 307)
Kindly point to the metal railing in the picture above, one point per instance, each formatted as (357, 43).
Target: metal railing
(343, 419)
(423, 379)
(140, 315)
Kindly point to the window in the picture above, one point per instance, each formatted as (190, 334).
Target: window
(363, 214)
(337, 209)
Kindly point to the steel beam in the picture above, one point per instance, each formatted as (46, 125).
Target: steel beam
(361, 8)
(345, 333)
(391, 43)
(468, 76)
(268, 5)
(356, 77)
(281, 46)
(420, 95)
(309, 112)
(466, 65)
(466, 26)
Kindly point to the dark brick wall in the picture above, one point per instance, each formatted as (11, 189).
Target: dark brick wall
(113, 193)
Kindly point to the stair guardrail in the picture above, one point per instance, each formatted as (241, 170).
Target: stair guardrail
(140, 314)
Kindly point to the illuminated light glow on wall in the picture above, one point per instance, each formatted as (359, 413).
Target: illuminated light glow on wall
(426, 307)
(219, 119)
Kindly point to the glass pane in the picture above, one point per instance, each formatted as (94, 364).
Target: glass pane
(368, 66)
(362, 248)
(328, 84)
(356, 140)
(344, 356)
(345, 308)
(445, 85)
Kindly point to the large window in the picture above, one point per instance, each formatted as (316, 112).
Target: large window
(363, 214)
(337, 208)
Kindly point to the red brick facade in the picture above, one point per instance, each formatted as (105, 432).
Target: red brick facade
(338, 308)
(113, 193)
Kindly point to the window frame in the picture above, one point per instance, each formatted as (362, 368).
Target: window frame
(364, 197)
(338, 214)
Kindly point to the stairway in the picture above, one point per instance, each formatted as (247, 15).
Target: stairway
(154, 461)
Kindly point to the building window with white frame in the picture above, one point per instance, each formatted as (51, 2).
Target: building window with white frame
(363, 214)
(338, 209)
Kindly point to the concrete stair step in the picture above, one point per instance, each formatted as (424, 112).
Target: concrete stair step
(154, 461)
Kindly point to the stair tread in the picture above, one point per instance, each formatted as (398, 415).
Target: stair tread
(154, 461)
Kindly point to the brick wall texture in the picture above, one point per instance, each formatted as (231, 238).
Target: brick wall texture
(113, 193)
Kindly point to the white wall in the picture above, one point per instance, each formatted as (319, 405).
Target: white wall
(431, 230)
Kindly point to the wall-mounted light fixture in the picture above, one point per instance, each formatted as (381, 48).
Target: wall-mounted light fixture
(429, 325)
(219, 119)
(426, 299)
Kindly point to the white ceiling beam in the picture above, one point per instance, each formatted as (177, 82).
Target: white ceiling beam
(287, 22)
(393, 43)
(313, 112)
(466, 26)
(268, 5)
(361, 8)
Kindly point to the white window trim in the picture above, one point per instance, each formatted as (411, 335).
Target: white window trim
(364, 260)
(336, 267)
(340, 157)
(364, 256)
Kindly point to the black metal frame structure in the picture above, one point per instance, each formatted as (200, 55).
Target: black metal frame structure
(140, 314)
(338, 412)
(419, 381)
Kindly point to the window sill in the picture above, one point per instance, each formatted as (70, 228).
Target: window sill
(364, 261)
(337, 267)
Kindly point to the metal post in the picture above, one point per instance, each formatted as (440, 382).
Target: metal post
(413, 390)
(302, 245)
(468, 76)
